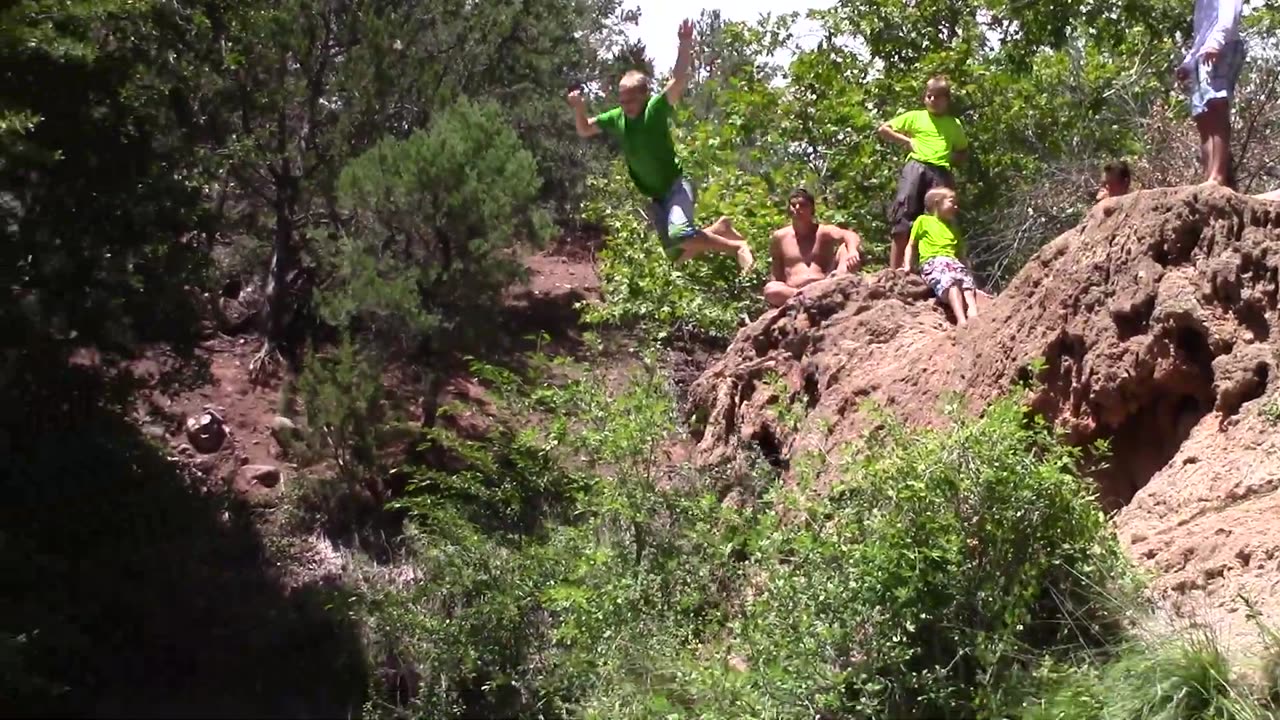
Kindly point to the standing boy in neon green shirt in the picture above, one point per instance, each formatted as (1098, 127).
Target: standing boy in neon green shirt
(937, 143)
(642, 123)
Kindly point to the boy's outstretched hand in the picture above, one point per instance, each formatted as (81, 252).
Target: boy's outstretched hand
(575, 98)
(686, 33)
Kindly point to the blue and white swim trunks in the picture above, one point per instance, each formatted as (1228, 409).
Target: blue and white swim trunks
(1216, 80)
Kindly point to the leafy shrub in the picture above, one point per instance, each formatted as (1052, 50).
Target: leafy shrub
(438, 215)
(342, 394)
(942, 566)
(934, 578)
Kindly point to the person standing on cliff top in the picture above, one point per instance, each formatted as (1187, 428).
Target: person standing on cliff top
(937, 143)
(1208, 73)
(642, 124)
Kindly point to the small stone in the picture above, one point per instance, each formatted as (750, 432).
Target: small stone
(155, 432)
(266, 476)
(186, 450)
(206, 431)
(204, 465)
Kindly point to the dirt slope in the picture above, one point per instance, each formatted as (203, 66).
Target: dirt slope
(1154, 319)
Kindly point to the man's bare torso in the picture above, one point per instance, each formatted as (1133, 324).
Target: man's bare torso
(805, 257)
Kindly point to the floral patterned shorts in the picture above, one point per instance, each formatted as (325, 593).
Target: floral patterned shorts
(943, 272)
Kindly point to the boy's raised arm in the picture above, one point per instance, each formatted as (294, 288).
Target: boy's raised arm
(684, 64)
(586, 126)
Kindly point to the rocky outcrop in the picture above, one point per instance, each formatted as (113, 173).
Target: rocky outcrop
(1150, 325)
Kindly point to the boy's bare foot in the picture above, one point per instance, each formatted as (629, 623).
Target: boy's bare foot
(724, 227)
(745, 259)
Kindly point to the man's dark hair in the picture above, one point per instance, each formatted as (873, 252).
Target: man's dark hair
(1119, 168)
(805, 195)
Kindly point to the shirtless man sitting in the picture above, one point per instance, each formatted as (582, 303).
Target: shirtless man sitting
(805, 252)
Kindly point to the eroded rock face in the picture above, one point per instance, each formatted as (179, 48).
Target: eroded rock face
(1154, 319)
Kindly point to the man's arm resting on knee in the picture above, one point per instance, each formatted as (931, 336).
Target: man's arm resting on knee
(848, 255)
(777, 268)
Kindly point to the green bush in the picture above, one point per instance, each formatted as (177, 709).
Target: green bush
(932, 581)
(438, 216)
(943, 566)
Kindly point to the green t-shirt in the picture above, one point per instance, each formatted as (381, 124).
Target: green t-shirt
(646, 145)
(935, 238)
(934, 136)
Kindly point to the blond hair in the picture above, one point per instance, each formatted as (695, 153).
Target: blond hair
(633, 78)
(933, 199)
(938, 82)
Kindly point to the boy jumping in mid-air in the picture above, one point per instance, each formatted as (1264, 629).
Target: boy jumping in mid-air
(642, 124)
(1209, 72)
(942, 254)
(937, 143)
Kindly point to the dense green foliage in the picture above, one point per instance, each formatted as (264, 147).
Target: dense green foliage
(567, 569)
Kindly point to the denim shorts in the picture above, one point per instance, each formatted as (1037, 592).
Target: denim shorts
(1213, 81)
(672, 217)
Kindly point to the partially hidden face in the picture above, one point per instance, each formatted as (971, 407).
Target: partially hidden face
(1115, 184)
(633, 99)
(949, 208)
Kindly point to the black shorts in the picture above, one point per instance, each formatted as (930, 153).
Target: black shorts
(917, 178)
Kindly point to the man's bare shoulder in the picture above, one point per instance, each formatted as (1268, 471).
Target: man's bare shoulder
(783, 233)
(831, 232)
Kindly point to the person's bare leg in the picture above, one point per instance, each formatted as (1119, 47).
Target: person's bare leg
(971, 303)
(778, 293)
(1219, 112)
(1273, 195)
(1206, 144)
(956, 302)
(724, 227)
(898, 250)
(710, 241)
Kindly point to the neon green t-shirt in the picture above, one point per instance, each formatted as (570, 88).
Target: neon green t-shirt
(646, 145)
(935, 238)
(934, 136)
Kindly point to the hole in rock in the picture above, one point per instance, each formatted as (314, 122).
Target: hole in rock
(811, 389)
(770, 447)
(1143, 445)
(1152, 433)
